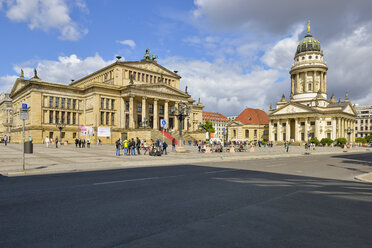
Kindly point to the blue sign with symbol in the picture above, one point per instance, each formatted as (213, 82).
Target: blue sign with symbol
(163, 122)
(24, 106)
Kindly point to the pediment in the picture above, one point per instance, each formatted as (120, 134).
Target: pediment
(19, 84)
(235, 124)
(291, 108)
(153, 67)
(349, 110)
(157, 89)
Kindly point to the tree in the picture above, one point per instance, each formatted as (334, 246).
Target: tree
(314, 140)
(208, 126)
(360, 140)
(368, 138)
(340, 141)
(326, 141)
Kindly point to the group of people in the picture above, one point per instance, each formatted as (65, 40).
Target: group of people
(81, 143)
(133, 147)
(49, 141)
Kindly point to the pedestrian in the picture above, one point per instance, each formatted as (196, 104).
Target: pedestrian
(83, 143)
(99, 142)
(117, 144)
(173, 144)
(125, 143)
(132, 147)
(165, 145)
(146, 147)
(88, 143)
(47, 141)
(5, 140)
(56, 142)
(79, 143)
(29, 139)
(76, 142)
(138, 146)
(288, 146)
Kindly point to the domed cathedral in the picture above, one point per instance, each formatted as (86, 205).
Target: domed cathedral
(308, 113)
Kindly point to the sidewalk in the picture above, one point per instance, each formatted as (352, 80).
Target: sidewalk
(70, 159)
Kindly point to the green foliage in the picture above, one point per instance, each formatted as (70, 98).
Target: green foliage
(208, 126)
(360, 140)
(326, 141)
(314, 140)
(340, 141)
(368, 138)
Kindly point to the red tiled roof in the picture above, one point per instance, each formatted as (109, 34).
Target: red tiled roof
(253, 116)
(212, 116)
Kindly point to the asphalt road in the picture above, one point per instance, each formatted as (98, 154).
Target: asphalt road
(288, 202)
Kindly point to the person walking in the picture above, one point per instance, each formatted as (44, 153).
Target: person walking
(76, 142)
(83, 143)
(29, 139)
(88, 143)
(5, 140)
(117, 144)
(132, 145)
(56, 142)
(173, 144)
(47, 141)
(79, 143)
(165, 145)
(288, 146)
(138, 146)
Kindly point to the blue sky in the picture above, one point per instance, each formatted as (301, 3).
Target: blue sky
(232, 54)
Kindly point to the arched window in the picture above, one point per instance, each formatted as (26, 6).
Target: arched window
(247, 133)
(309, 87)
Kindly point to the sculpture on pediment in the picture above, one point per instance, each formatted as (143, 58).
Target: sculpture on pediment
(22, 74)
(186, 90)
(150, 56)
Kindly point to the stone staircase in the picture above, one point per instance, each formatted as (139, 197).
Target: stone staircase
(155, 134)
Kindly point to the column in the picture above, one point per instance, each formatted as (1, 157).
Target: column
(316, 133)
(297, 138)
(175, 120)
(297, 83)
(166, 112)
(271, 131)
(306, 131)
(353, 128)
(292, 85)
(143, 109)
(287, 130)
(321, 82)
(338, 128)
(342, 128)
(325, 82)
(279, 136)
(305, 82)
(156, 116)
(334, 127)
(131, 120)
(185, 121)
(122, 113)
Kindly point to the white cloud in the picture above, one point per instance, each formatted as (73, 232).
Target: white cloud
(130, 43)
(223, 86)
(6, 83)
(46, 15)
(64, 69)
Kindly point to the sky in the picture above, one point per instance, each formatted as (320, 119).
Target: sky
(231, 54)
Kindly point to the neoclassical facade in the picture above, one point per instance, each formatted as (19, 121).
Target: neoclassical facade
(309, 113)
(130, 98)
(6, 112)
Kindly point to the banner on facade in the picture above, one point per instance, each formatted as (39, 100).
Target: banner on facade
(86, 131)
(104, 132)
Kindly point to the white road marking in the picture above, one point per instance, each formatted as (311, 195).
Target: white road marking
(136, 179)
(274, 165)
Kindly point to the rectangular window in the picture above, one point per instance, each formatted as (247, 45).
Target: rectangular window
(68, 118)
(150, 79)
(139, 107)
(57, 102)
(130, 74)
(112, 119)
(302, 123)
(312, 123)
(302, 136)
(126, 106)
(51, 102)
(255, 133)
(73, 118)
(50, 117)
(107, 118)
(68, 103)
(74, 104)
(107, 103)
(151, 108)
(102, 103)
(161, 109)
(57, 117)
(275, 124)
(74, 135)
(112, 104)
(247, 133)
(329, 123)
(134, 75)
(284, 124)
(63, 102)
(102, 118)
(139, 77)
(63, 117)
(147, 78)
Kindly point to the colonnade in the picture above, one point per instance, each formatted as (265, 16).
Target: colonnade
(301, 129)
(295, 82)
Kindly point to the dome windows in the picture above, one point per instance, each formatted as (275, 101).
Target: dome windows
(310, 57)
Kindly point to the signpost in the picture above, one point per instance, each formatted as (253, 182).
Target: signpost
(23, 115)
(163, 123)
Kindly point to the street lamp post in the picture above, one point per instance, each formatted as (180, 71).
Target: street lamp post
(181, 113)
(349, 131)
(60, 126)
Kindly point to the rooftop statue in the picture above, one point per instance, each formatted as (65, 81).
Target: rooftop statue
(150, 56)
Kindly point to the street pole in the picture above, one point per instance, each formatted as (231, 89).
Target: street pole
(163, 134)
(23, 145)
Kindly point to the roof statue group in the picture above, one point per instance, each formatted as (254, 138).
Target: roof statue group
(150, 56)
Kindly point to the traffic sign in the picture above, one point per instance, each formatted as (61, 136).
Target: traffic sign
(24, 105)
(163, 122)
(23, 114)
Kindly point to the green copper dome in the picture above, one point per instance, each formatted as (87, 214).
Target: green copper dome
(308, 43)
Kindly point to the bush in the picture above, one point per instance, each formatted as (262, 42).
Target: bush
(340, 141)
(326, 141)
(360, 140)
(314, 140)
